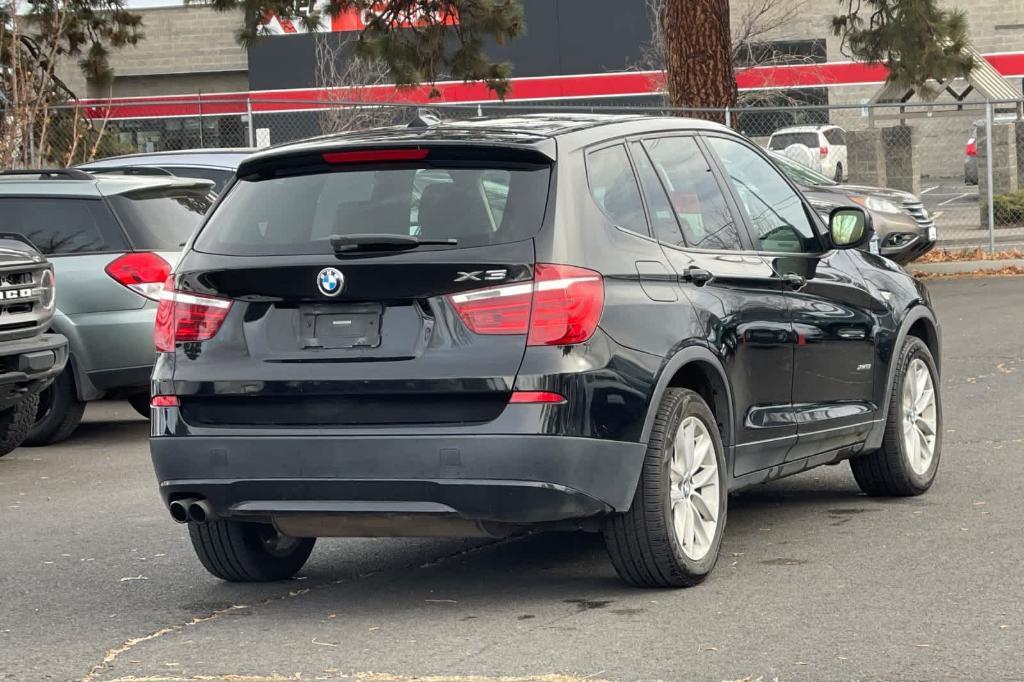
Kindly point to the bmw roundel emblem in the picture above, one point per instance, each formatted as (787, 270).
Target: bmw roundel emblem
(330, 281)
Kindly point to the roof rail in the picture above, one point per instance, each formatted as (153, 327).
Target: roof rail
(53, 173)
(132, 170)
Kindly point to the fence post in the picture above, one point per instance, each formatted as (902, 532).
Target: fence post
(728, 117)
(199, 99)
(252, 124)
(988, 175)
(32, 147)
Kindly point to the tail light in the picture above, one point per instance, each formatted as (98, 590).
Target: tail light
(144, 273)
(183, 317)
(823, 150)
(972, 147)
(164, 401)
(561, 306)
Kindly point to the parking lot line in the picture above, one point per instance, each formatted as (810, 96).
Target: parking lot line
(959, 196)
(925, 191)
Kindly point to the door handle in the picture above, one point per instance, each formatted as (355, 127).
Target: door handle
(698, 276)
(794, 281)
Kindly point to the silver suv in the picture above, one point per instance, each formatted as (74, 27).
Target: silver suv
(112, 242)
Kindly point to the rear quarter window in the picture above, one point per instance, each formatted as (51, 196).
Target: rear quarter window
(63, 226)
(298, 214)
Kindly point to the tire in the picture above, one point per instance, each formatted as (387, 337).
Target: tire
(15, 423)
(839, 173)
(645, 543)
(239, 552)
(59, 414)
(140, 403)
(897, 469)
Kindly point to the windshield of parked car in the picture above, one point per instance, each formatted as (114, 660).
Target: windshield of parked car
(161, 221)
(800, 174)
(299, 214)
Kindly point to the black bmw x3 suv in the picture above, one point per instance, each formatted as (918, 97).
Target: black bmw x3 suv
(551, 322)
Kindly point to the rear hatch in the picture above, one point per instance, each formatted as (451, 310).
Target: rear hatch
(344, 289)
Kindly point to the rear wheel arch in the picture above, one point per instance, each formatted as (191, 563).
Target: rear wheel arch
(698, 369)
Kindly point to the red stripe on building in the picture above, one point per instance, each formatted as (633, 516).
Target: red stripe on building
(619, 84)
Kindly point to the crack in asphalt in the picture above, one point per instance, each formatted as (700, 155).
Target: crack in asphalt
(113, 654)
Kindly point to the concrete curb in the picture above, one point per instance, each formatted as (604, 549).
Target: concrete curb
(964, 266)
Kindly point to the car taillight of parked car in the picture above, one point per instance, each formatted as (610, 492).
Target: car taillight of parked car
(184, 317)
(561, 306)
(972, 147)
(823, 150)
(144, 273)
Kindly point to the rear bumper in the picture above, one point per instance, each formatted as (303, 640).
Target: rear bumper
(497, 478)
(29, 366)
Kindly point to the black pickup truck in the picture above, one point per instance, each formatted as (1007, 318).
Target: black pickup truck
(30, 357)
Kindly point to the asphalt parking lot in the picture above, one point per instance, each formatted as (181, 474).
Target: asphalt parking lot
(816, 581)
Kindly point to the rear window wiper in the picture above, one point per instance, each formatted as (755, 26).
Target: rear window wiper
(362, 243)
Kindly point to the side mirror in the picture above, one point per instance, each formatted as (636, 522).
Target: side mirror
(849, 227)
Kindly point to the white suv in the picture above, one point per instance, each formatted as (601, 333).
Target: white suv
(822, 148)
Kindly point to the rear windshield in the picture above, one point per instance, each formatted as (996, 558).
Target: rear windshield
(782, 140)
(60, 226)
(298, 214)
(161, 222)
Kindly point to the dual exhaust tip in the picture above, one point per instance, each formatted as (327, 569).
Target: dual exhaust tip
(191, 510)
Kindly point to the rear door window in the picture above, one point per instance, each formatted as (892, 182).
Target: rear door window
(59, 226)
(298, 214)
(614, 188)
(662, 216)
(780, 141)
(161, 221)
(698, 201)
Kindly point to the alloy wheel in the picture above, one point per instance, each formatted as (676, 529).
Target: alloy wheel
(695, 491)
(920, 416)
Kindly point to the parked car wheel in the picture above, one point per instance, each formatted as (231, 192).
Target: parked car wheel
(140, 403)
(839, 172)
(59, 412)
(908, 460)
(248, 552)
(15, 423)
(671, 535)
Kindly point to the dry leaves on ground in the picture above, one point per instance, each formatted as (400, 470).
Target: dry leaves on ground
(977, 253)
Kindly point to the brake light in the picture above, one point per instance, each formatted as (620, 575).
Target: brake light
(561, 306)
(534, 397)
(164, 401)
(823, 150)
(183, 317)
(376, 155)
(144, 273)
(972, 147)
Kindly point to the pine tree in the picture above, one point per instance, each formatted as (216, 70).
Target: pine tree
(420, 41)
(915, 39)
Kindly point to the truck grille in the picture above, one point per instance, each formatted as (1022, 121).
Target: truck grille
(919, 213)
(23, 301)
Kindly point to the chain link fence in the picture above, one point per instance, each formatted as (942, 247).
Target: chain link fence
(957, 166)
